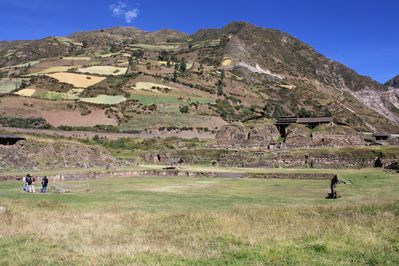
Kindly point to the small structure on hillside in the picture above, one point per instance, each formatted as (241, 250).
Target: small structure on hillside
(381, 136)
(386, 139)
(10, 139)
(310, 122)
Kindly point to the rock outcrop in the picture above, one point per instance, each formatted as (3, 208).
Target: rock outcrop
(393, 82)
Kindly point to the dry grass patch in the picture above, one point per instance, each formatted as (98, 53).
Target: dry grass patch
(227, 61)
(26, 92)
(77, 80)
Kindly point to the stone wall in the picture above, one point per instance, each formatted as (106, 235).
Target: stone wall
(337, 136)
(166, 173)
(309, 158)
(238, 136)
(298, 136)
(47, 155)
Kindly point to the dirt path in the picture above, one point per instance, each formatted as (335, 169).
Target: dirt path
(113, 136)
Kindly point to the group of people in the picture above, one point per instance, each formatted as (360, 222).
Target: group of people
(30, 181)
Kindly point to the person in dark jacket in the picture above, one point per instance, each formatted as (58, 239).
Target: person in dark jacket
(333, 185)
(44, 184)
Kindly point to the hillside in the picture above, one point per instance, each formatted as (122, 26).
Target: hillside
(128, 80)
(393, 82)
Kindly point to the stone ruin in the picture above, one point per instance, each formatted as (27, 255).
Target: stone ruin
(337, 136)
(238, 136)
(297, 136)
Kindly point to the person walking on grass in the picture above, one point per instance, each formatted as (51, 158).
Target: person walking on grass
(44, 184)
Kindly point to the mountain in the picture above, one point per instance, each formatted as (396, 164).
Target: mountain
(393, 82)
(240, 72)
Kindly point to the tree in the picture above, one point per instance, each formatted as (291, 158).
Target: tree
(138, 54)
(220, 88)
(183, 66)
(168, 63)
(175, 76)
(304, 113)
(278, 112)
(184, 109)
(85, 44)
(222, 74)
(201, 69)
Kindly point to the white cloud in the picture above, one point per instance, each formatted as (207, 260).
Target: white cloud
(122, 10)
(131, 14)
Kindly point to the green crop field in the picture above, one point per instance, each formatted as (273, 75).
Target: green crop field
(158, 47)
(8, 85)
(205, 221)
(104, 99)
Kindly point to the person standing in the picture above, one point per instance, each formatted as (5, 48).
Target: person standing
(25, 180)
(32, 186)
(44, 184)
(28, 183)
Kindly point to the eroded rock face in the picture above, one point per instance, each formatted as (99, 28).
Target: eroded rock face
(237, 136)
(298, 136)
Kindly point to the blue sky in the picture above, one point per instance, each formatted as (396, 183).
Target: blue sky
(362, 34)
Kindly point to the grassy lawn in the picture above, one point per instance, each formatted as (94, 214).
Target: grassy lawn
(205, 221)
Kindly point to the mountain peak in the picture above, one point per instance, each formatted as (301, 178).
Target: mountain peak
(394, 82)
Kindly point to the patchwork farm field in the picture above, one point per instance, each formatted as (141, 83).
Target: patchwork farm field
(8, 85)
(205, 221)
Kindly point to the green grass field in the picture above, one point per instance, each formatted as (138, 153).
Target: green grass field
(205, 221)
(104, 99)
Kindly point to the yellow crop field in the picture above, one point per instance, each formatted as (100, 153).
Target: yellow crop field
(77, 80)
(26, 92)
(104, 70)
